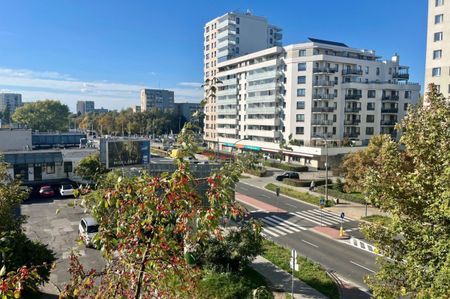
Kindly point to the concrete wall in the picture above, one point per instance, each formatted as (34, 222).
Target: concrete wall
(15, 140)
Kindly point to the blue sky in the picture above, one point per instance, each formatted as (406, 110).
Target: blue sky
(106, 50)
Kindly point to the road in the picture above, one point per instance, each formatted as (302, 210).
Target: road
(292, 223)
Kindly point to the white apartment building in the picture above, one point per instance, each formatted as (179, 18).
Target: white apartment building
(10, 101)
(437, 69)
(308, 92)
(231, 35)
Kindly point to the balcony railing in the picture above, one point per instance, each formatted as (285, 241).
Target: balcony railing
(401, 76)
(352, 122)
(321, 122)
(326, 70)
(322, 109)
(390, 98)
(352, 134)
(354, 72)
(388, 122)
(352, 109)
(353, 96)
(323, 83)
(389, 110)
(323, 96)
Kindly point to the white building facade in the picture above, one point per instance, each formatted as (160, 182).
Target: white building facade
(225, 37)
(10, 102)
(304, 93)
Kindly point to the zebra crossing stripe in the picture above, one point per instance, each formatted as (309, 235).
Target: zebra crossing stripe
(281, 223)
(270, 232)
(313, 218)
(324, 217)
(286, 221)
(328, 215)
(277, 226)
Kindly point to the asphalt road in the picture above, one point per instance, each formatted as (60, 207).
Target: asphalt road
(350, 263)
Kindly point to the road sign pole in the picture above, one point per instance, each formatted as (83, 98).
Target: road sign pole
(341, 231)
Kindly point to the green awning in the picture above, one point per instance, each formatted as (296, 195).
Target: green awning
(33, 157)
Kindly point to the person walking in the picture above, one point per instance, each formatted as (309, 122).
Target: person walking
(312, 186)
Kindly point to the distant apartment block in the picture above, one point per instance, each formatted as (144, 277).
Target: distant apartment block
(9, 102)
(307, 92)
(100, 110)
(187, 109)
(437, 69)
(84, 107)
(157, 99)
(232, 35)
(136, 108)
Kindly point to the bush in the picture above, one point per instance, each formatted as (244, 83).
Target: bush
(261, 172)
(304, 183)
(304, 196)
(334, 192)
(287, 167)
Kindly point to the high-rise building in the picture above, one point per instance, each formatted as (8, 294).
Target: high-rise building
(9, 102)
(437, 69)
(187, 109)
(157, 99)
(228, 36)
(307, 92)
(84, 107)
(136, 108)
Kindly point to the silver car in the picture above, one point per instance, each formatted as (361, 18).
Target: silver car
(88, 229)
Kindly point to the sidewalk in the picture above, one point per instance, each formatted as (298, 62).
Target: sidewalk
(281, 280)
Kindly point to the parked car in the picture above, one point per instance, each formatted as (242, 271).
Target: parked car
(287, 175)
(88, 229)
(46, 191)
(66, 190)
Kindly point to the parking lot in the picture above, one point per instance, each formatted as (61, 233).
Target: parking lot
(60, 231)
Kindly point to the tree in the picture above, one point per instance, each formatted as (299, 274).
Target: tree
(90, 168)
(148, 225)
(412, 185)
(44, 116)
(356, 165)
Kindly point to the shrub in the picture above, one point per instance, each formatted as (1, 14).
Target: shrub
(257, 171)
(287, 167)
(332, 191)
(304, 183)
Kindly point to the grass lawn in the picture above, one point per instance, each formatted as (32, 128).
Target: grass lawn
(311, 273)
(230, 285)
(383, 220)
(303, 196)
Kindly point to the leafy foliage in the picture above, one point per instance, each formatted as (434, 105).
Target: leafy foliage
(90, 168)
(44, 116)
(412, 185)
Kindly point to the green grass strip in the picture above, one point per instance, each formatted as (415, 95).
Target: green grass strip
(303, 196)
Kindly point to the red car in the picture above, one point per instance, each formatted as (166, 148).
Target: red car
(46, 191)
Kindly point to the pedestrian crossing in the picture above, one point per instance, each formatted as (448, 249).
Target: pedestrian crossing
(276, 226)
(320, 217)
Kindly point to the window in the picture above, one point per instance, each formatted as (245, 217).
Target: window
(370, 118)
(300, 117)
(237, 40)
(301, 66)
(371, 94)
(438, 19)
(378, 71)
(439, 2)
(300, 130)
(370, 106)
(237, 20)
(271, 40)
(369, 130)
(300, 105)
(407, 94)
(301, 79)
(50, 167)
(436, 72)
(302, 52)
(438, 88)
(437, 54)
(438, 36)
(405, 106)
(237, 30)
(301, 92)
(367, 70)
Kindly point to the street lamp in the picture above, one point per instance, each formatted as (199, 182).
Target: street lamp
(326, 168)
(234, 145)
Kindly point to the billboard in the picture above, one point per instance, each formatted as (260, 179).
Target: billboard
(123, 152)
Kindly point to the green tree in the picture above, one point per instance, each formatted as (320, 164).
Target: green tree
(355, 165)
(45, 116)
(412, 185)
(90, 168)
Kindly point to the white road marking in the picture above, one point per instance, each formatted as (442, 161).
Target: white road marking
(277, 226)
(263, 195)
(356, 264)
(291, 223)
(314, 245)
(291, 205)
(269, 231)
(244, 188)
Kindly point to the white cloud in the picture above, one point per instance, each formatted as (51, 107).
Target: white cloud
(190, 84)
(53, 85)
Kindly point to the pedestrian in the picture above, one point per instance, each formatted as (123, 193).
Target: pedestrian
(311, 187)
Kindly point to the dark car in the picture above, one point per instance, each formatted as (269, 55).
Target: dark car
(287, 175)
(46, 191)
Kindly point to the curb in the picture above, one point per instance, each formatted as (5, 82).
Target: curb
(339, 238)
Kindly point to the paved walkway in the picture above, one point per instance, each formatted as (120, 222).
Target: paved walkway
(282, 280)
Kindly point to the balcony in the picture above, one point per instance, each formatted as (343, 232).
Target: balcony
(267, 86)
(352, 134)
(352, 72)
(227, 121)
(227, 130)
(317, 83)
(227, 111)
(323, 96)
(321, 122)
(263, 133)
(400, 76)
(388, 122)
(263, 99)
(324, 70)
(389, 110)
(352, 109)
(390, 98)
(263, 121)
(262, 110)
(322, 109)
(226, 22)
(353, 96)
(229, 91)
(262, 75)
(352, 122)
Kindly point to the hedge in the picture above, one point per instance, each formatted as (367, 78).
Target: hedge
(303, 196)
(304, 183)
(257, 172)
(357, 198)
(284, 166)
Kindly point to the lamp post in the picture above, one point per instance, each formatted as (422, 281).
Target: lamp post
(326, 168)
(234, 145)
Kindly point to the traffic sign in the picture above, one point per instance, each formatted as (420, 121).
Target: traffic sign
(322, 201)
(342, 215)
